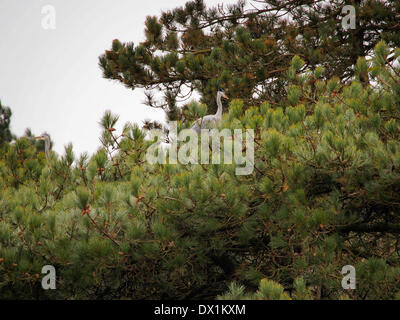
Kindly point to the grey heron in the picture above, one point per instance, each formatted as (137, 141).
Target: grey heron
(46, 139)
(211, 118)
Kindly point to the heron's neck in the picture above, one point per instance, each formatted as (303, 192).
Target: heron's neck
(47, 148)
(219, 104)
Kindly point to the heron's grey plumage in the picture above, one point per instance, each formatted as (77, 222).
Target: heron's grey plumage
(46, 139)
(211, 118)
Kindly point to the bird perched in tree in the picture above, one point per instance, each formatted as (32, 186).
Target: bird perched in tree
(46, 139)
(211, 118)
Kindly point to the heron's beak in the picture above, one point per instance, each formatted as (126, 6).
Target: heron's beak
(225, 96)
(38, 138)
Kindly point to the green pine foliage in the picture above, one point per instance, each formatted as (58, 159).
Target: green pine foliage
(247, 52)
(5, 118)
(325, 193)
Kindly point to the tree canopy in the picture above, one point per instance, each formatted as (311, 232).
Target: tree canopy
(324, 192)
(5, 118)
(246, 49)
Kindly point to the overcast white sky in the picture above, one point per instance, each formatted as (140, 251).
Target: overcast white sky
(51, 79)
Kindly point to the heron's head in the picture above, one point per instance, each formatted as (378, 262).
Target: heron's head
(43, 136)
(221, 92)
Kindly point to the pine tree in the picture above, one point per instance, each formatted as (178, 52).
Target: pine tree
(324, 194)
(198, 49)
(5, 118)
